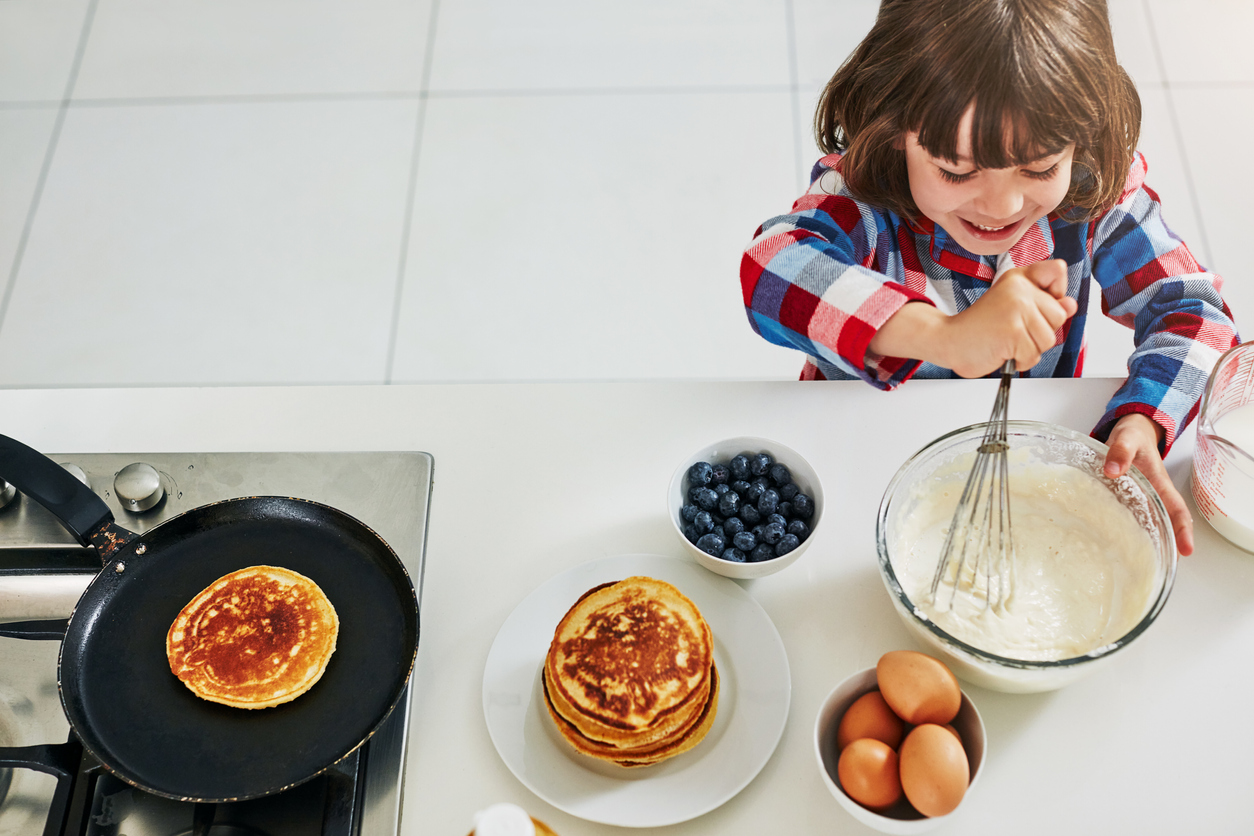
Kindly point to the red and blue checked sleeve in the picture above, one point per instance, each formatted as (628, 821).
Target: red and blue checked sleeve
(1151, 282)
(808, 285)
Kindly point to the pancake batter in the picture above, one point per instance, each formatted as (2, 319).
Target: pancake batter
(1085, 571)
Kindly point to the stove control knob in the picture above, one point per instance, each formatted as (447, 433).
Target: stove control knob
(77, 472)
(7, 492)
(138, 487)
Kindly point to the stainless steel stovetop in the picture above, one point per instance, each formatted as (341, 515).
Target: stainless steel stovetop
(43, 571)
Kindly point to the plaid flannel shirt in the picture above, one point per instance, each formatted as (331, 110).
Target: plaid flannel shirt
(824, 278)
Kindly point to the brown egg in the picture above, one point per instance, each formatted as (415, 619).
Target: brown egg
(918, 688)
(870, 716)
(934, 769)
(869, 773)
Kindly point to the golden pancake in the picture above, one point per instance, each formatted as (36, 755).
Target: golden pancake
(675, 724)
(255, 638)
(629, 660)
(629, 677)
(645, 755)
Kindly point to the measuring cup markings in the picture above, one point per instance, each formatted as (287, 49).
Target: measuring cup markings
(1223, 465)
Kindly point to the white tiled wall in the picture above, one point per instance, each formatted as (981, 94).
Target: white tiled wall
(319, 191)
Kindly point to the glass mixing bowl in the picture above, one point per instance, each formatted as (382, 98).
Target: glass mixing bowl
(1048, 444)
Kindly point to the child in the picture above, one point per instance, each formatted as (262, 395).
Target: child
(980, 171)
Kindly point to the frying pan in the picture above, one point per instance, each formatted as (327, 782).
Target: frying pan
(140, 721)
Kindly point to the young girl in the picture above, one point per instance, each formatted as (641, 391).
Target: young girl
(980, 170)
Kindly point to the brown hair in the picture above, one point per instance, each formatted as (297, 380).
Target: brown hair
(1040, 73)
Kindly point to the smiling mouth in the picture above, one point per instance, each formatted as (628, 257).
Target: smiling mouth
(990, 228)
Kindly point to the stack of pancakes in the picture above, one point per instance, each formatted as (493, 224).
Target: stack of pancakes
(255, 638)
(629, 677)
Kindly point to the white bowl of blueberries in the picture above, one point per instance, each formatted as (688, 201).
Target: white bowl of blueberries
(745, 507)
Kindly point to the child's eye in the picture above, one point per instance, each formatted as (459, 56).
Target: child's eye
(953, 177)
(1042, 175)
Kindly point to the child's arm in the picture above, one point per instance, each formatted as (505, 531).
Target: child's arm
(808, 284)
(1018, 318)
(1152, 283)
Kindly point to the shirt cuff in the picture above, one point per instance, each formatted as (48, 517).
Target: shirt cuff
(1107, 424)
(883, 371)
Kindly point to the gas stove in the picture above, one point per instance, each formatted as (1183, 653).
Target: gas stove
(43, 571)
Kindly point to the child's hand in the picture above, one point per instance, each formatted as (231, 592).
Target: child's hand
(1017, 318)
(1134, 441)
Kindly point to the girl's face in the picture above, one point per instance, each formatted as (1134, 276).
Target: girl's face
(986, 211)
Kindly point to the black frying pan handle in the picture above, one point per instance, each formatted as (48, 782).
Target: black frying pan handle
(51, 629)
(52, 486)
(59, 759)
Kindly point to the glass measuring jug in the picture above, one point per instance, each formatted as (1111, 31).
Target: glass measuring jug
(1223, 460)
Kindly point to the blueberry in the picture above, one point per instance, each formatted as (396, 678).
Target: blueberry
(691, 534)
(688, 513)
(767, 502)
(762, 552)
(787, 492)
(754, 493)
(739, 467)
(699, 474)
(734, 555)
(719, 474)
(712, 544)
(702, 523)
(772, 534)
(786, 544)
(729, 503)
(721, 489)
(740, 486)
(799, 529)
(777, 518)
(779, 474)
(760, 464)
(784, 509)
(749, 513)
(733, 526)
(706, 499)
(803, 506)
(745, 541)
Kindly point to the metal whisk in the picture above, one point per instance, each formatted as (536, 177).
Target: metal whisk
(978, 555)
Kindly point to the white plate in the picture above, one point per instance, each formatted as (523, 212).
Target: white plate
(755, 689)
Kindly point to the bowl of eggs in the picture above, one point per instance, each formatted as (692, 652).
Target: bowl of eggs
(1094, 559)
(745, 507)
(900, 746)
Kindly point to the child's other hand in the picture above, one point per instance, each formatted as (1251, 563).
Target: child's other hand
(1134, 441)
(1017, 318)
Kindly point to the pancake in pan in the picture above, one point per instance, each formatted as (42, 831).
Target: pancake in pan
(255, 638)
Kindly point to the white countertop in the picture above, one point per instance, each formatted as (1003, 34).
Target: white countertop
(531, 479)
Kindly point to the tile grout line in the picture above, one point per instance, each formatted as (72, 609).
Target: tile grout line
(407, 216)
(401, 95)
(794, 83)
(656, 90)
(53, 140)
(1179, 134)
